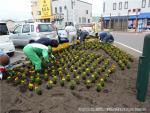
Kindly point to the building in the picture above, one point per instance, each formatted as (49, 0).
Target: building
(75, 11)
(126, 14)
(41, 10)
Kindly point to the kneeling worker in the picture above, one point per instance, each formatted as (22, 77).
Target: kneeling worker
(36, 50)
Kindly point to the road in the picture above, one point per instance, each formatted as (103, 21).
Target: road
(18, 55)
(130, 42)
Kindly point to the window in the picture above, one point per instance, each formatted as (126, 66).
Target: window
(139, 10)
(26, 29)
(17, 30)
(126, 5)
(60, 9)
(79, 20)
(149, 3)
(45, 28)
(120, 5)
(148, 21)
(143, 3)
(134, 10)
(88, 20)
(3, 29)
(56, 10)
(114, 6)
(86, 11)
(83, 20)
(39, 12)
(129, 10)
(32, 28)
(103, 7)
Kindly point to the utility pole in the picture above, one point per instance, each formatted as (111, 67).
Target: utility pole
(110, 23)
(127, 19)
(73, 11)
(136, 22)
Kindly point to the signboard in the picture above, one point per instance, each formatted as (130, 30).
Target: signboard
(45, 7)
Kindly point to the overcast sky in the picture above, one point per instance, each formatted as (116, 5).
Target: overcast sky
(21, 9)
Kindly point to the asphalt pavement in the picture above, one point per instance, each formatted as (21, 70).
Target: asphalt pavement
(132, 43)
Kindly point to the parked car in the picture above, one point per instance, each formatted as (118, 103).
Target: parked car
(30, 32)
(6, 45)
(62, 35)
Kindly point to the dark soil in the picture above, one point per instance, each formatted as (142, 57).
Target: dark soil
(119, 91)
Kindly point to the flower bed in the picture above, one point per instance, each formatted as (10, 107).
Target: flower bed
(90, 64)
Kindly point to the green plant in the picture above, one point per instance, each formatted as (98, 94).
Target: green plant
(38, 90)
(98, 87)
(31, 86)
(102, 82)
(72, 84)
(88, 84)
(68, 77)
(55, 78)
(62, 81)
(49, 84)
(77, 79)
(38, 81)
(84, 75)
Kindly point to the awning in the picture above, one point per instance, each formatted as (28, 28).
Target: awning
(144, 15)
(106, 18)
(131, 17)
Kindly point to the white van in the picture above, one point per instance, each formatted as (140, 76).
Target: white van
(6, 44)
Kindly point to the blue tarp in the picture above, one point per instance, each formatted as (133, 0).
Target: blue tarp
(144, 15)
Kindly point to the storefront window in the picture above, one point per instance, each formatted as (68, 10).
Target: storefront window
(143, 3)
(148, 21)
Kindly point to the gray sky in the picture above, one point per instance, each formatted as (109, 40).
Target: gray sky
(21, 9)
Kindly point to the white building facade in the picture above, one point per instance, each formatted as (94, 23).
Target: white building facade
(126, 14)
(75, 11)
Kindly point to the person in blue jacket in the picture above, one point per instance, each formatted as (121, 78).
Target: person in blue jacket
(102, 35)
(47, 42)
(106, 37)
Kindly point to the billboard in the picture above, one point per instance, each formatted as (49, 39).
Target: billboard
(45, 8)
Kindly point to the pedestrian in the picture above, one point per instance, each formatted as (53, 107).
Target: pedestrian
(72, 35)
(35, 51)
(4, 64)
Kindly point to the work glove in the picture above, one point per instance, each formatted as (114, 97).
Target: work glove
(53, 57)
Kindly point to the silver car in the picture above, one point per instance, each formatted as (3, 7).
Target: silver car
(29, 32)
